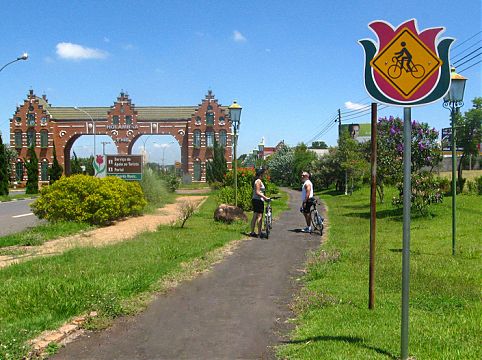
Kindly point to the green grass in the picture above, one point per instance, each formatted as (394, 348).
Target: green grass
(467, 174)
(43, 293)
(39, 234)
(333, 320)
(13, 196)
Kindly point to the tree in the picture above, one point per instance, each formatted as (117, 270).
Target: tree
(352, 160)
(32, 171)
(217, 168)
(468, 134)
(75, 167)
(4, 164)
(319, 145)
(280, 165)
(426, 153)
(55, 171)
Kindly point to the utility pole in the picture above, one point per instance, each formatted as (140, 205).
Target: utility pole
(339, 124)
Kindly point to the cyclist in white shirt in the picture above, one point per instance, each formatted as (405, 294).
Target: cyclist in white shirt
(307, 200)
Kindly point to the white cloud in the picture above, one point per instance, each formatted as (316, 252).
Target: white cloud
(128, 47)
(71, 51)
(238, 37)
(354, 106)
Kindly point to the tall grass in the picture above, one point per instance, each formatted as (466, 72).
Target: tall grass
(333, 320)
(44, 293)
(155, 190)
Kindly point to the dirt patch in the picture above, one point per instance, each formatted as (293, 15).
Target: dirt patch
(119, 231)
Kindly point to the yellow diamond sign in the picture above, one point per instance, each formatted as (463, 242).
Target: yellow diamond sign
(406, 63)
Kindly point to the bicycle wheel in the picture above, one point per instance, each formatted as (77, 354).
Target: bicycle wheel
(267, 224)
(394, 71)
(316, 220)
(418, 71)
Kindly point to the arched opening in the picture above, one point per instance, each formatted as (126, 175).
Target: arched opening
(79, 152)
(161, 152)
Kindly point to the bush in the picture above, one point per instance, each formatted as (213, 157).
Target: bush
(84, 198)
(445, 185)
(425, 191)
(154, 188)
(478, 180)
(245, 188)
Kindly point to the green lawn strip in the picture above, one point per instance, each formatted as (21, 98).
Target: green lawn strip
(333, 320)
(41, 233)
(44, 293)
(16, 197)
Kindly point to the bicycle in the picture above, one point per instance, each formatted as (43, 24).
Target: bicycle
(316, 218)
(395, 70)
(268, 216)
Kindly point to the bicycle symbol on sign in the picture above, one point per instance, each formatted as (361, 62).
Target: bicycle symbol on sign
(403, 61)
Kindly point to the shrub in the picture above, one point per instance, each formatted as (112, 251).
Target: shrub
(478, 180)
(154, 188)
(445, 185)
(425, 191)
(84, 198)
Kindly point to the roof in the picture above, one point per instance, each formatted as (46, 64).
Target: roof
(144, 113)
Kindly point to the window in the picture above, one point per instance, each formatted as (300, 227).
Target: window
(197, 171)
(43, 121)
(44, 139)
(115, 120)
(44, 170)
(30, 119)
(210, 107)
(223, 138)
(197, 139)
(209, 138)
(221, 120)
(128, 119)
(31, 138)
(19, 171)
(18, 120)
(198, 120)
(210, 119)
(18, 139)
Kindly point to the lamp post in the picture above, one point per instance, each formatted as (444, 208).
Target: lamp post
(164, 147)
(453, 101)
(93, 123)
(23, 57)
(235, 115)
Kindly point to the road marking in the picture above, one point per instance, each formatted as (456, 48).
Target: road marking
(22, 215)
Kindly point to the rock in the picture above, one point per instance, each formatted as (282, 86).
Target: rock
(229, 213)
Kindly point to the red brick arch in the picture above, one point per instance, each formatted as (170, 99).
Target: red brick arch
(124, 123)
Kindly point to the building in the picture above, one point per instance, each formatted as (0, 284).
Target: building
(39, 124)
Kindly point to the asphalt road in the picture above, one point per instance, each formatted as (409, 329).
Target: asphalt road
(236, 311)
(16, 216)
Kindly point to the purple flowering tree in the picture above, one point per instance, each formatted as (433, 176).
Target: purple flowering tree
(426, 155)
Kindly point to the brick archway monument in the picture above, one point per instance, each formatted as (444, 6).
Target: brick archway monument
(39, 124)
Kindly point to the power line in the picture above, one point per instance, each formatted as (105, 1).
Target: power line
(470, 38)
(365, 107)
(467, 68)
(470, 59)
(466, 49)
(466, 56)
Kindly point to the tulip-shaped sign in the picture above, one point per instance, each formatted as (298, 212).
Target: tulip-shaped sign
(407, 67)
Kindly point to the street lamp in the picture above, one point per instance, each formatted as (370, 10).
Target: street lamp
(93, 124)
(235, 115)
(23, 57)
(453, 101)
(164, 147)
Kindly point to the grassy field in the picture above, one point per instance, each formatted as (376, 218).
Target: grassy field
(467, 174)
(44, 293)
(14, 196)
(333, 320)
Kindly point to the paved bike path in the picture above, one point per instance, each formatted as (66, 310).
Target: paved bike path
(236, 311)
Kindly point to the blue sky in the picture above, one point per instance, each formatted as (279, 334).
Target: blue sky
(290, 64)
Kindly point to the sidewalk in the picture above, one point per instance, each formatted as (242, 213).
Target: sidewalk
(236, 311)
